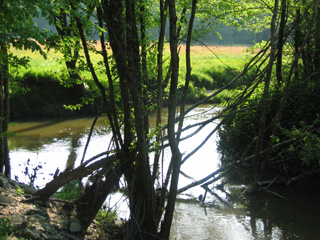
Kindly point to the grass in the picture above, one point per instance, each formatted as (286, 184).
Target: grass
(212, 66)
(70, 191)
(204, 59)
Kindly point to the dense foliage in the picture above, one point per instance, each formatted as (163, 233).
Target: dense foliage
(290, 139)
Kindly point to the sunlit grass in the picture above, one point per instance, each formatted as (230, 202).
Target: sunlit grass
(214, 66)
(205, 58)
(207, 62)
(52, 63)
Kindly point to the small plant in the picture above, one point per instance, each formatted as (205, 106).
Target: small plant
(70, 191)
(20, 191)
(31, 170)
(105, 220)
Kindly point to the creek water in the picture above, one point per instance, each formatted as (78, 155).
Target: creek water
(46, 145)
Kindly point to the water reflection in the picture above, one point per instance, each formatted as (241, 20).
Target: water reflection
(53, 144)
(261, 216)
(225, 216)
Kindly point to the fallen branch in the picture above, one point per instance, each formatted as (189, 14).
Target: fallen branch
(78, 173)
(276, 194)
(227, 167)
(203, 180)
(303, 175)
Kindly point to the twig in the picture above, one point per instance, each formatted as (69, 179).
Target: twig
(276, 194)
(302, 175)
(89, 137)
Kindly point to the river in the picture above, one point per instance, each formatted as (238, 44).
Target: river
(50, 144)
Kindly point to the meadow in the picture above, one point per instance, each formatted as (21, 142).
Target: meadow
(205, 60)
(212, 67)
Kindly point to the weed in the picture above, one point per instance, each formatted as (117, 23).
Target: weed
(105, 220)
(20, 191)
(70, 191)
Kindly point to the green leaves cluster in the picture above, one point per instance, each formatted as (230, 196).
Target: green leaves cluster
(17, 26)
(105, 220)
(306, 145)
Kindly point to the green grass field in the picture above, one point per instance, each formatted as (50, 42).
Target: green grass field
(212, 67)
(205, 60)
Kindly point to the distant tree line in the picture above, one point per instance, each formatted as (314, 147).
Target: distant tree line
(222, 34)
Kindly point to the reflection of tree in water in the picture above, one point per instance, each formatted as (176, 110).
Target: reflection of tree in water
(75, 143)
(257, 210)
(272, 217)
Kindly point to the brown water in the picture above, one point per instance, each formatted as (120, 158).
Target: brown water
(59, 143)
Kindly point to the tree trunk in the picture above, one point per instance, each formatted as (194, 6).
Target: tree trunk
(297, 41)
(281, 41)
(188, 66)
(135, 161)
(176, 155)
(163, 7)
(78, 173)
(317, 46)
(95, 194)
(4, 110)
(264, 104)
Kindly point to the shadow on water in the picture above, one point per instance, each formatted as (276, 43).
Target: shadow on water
(232, 214)
(296, 217)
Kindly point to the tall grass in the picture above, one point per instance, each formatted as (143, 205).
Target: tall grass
(204, 59)
(212, 67)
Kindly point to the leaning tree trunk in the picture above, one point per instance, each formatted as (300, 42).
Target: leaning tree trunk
(4, 110)
(89, 203)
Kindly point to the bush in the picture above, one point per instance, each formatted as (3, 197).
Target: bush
(44, 95)
(202, 80)
(299, 124)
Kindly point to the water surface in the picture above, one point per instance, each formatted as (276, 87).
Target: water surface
(51, 144)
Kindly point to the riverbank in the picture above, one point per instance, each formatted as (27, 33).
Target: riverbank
(44, 89)
(21, 218)
(46, 95)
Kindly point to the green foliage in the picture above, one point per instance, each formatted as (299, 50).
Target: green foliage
(194, 93)
(299, 124)
(18, 29)
(43, 94)
(240, 129)
(226, 96)
(6, 228)
(105, 220)
(70, 191)
(307, 143)
(20, 191)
